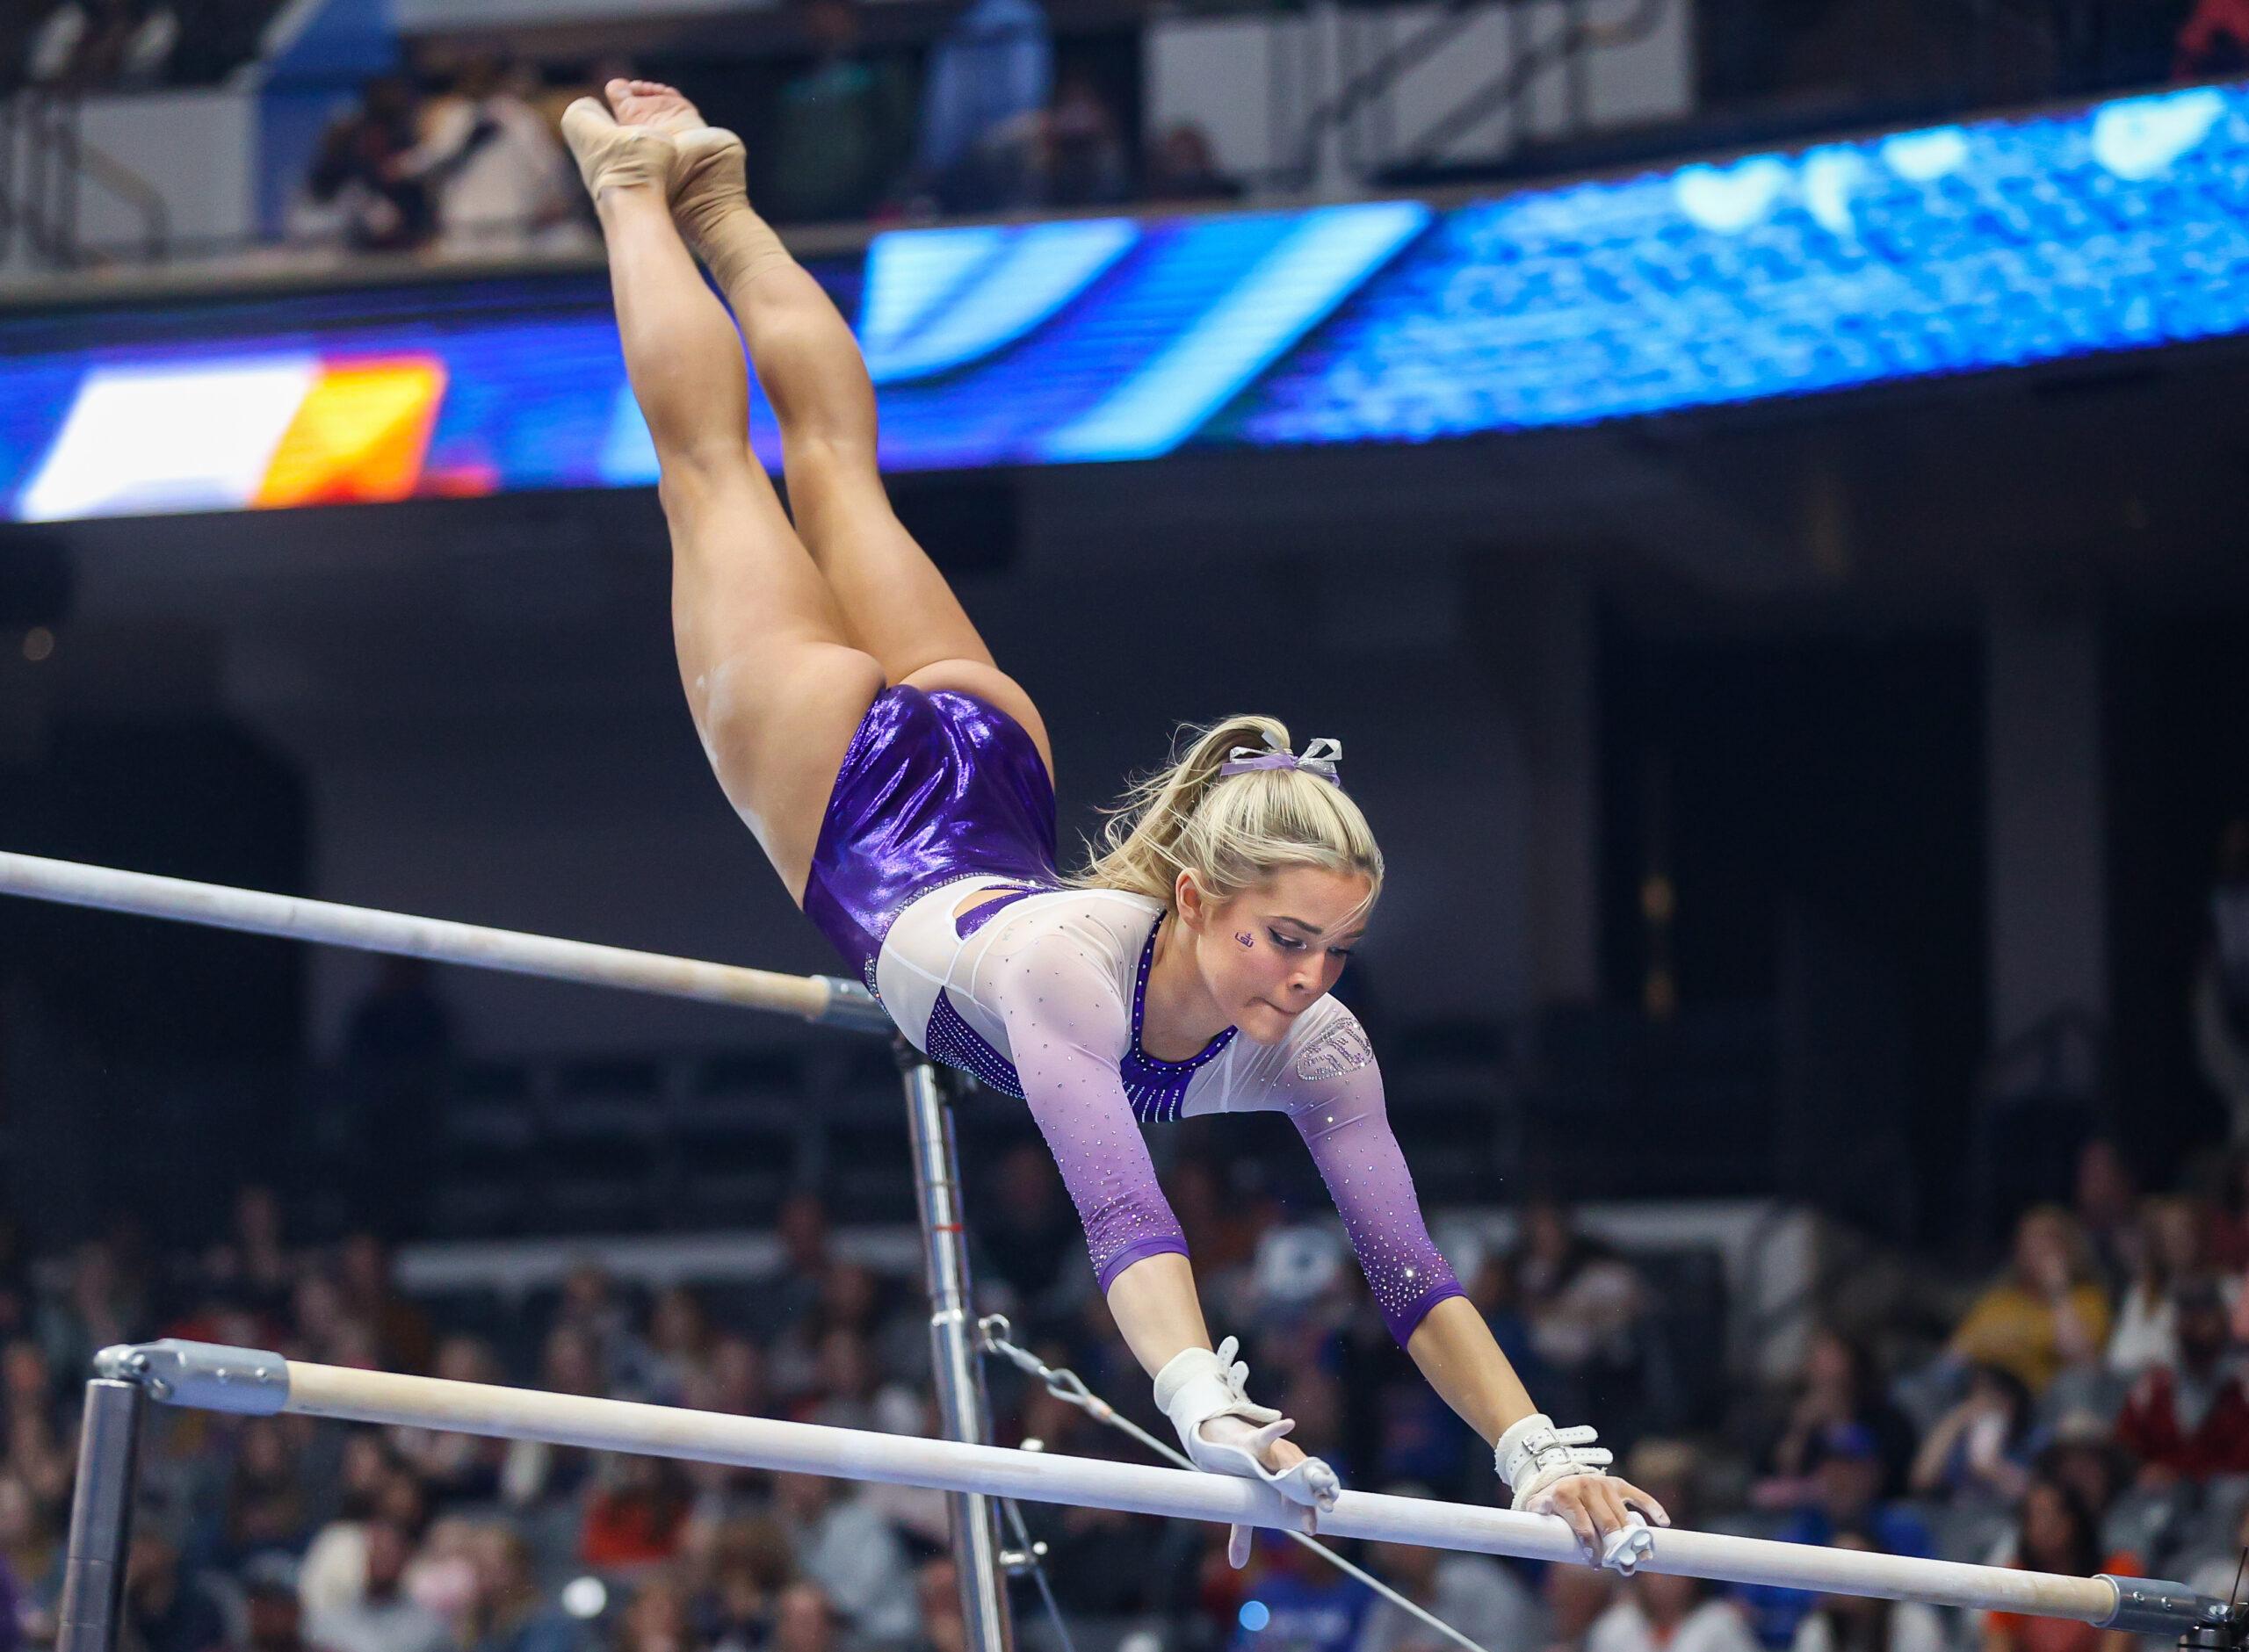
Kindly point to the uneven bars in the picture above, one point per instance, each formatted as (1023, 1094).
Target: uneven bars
(250, 1383)
(823, 998)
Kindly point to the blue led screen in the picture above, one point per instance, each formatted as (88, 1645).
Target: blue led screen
(1961, 248)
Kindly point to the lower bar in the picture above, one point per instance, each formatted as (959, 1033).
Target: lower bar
(101, 1517)
(254, 1383)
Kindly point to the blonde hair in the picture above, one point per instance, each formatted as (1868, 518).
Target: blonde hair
(1230, 832)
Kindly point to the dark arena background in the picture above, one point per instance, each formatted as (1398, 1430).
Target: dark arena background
(1758, 488)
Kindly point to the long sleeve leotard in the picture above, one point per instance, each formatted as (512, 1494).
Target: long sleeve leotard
(1041, 996)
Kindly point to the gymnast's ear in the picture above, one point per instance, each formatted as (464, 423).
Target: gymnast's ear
(1192, 903)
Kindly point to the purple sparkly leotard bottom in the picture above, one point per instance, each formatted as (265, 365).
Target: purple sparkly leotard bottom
(934, 788)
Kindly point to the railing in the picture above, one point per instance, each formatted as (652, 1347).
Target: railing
(1529, 64)
(46, 168)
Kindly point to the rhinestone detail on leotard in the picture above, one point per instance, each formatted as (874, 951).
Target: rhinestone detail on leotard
(1156, 1088)
(953, 1042)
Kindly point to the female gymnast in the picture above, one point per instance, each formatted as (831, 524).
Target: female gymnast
(902, 786)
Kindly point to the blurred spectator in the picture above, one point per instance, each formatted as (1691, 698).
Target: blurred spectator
(260, 1270)
(383, 1617)
(336, 1563)
(636, 1512)
(992, 69)
(85, 44)
(852, 1394)
(732, 1379)
(1840, 1384)
(805, 1620)
(1098, 1562)
(1220, 1235)
(442, 1576)
(2220, 991)
(1070, 154)
(674, 1357)
(404, 1340)
(458, 1468)
(31, 1557)
(1484, 1600)
(745, 1568)
(1977, 1452)
(103, 1305)
(1309, 1605)
(500, 181)
(2169, 1248)
(534, 1471)
(2189, 1419)
(167, 1607)
(592, 1305)
(2214, 43)
(274, 1618)
(265, 1509)
(1655, 1612)
(801, 1225)
(1862, 1623)
(850, 1552)
(12, 1609)
(2107, 1205)
(1033, 1237)
(1575, 1598)
(1182, 166)
(657, 1621)
(510, 1615)
(2046, 1312)
(2057, 1535)
(847, 1296)
(2085, 1457)
(843, 128)
(936, 1593)
(1846, 1497)
(1085, 163)
(38, 1448)
(357, 194)
(1585, 1304)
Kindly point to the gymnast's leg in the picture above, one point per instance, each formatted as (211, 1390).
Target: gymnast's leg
(775, 684)
(899, 609)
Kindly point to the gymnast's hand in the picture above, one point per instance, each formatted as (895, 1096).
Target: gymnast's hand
(1562, 1472)
(1605, 1512)
(1203, 1393)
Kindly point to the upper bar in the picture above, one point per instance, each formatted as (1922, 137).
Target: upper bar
(817, 997)
(242, 1380)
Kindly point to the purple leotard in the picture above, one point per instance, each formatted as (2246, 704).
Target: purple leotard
(1040, 993)
(934, 788)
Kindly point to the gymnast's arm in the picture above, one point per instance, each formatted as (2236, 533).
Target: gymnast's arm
(1342, 1117)
(1066, 1032)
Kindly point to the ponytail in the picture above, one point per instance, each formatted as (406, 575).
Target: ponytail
(1230, 832)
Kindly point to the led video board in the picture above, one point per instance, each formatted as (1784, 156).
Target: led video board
(1971, 248)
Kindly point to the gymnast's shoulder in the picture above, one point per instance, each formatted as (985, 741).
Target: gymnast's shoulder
(1326, 1048)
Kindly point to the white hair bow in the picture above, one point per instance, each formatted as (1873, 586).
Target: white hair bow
(1321, 757)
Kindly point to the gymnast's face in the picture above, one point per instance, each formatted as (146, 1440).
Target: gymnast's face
(1272, 952)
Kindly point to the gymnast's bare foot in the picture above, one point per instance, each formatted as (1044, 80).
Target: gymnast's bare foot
(650, 103)
(706, 168)
(610, 156)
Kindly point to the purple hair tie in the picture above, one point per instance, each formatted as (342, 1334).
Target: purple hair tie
(1320, 758)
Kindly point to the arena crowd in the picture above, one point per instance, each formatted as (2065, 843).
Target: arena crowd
(2085, 1412)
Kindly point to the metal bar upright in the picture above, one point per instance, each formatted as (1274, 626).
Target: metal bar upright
(101, 1517)
(954, 1354)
